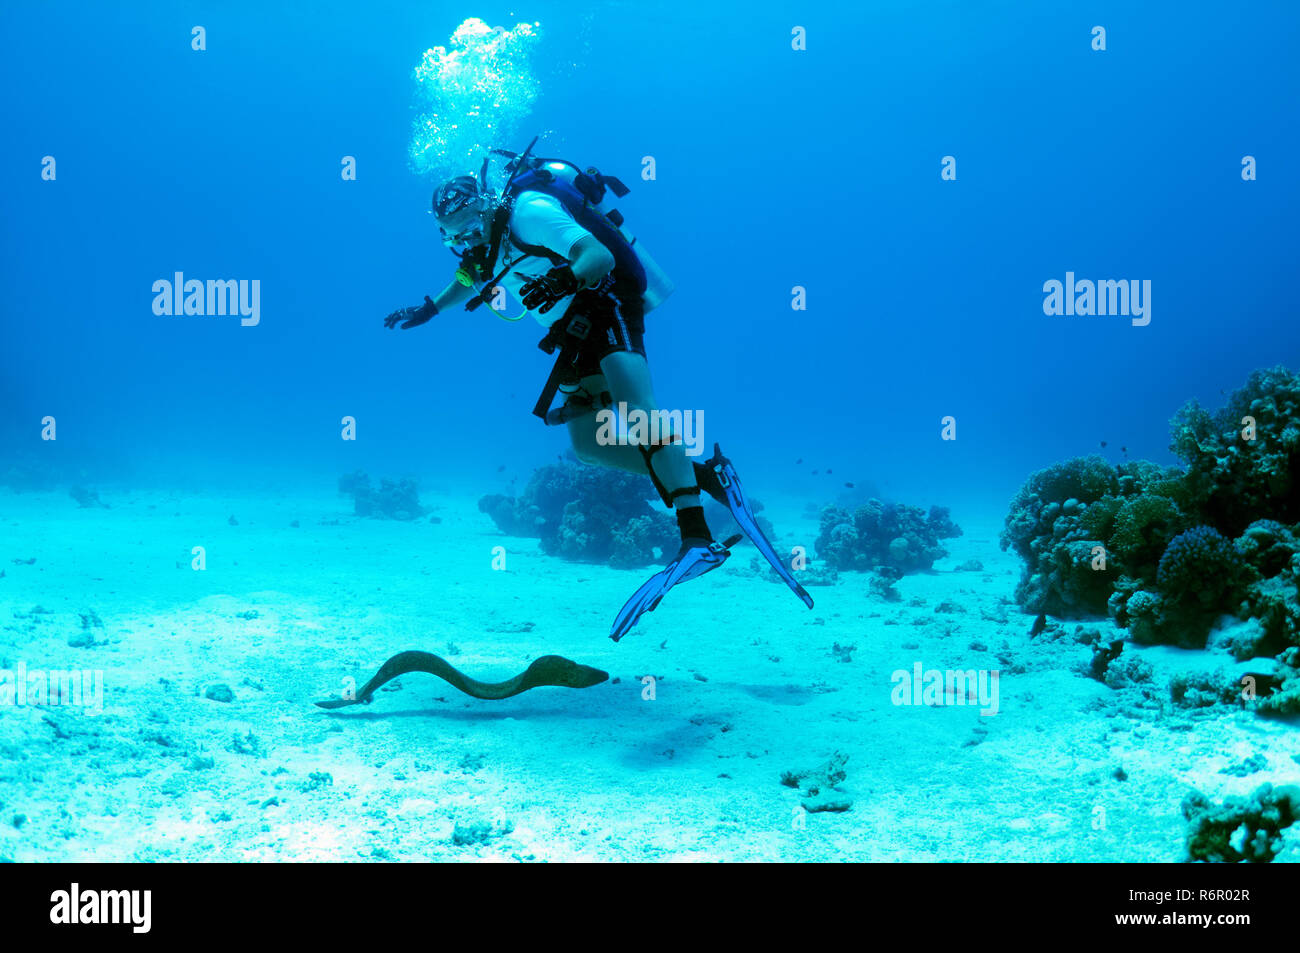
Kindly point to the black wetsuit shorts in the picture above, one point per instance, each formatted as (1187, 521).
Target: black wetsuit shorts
(617, 324)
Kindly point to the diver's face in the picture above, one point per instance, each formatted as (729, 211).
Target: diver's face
(466, 227)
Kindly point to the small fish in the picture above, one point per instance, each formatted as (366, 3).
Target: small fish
(799, 461)
(815, 473)
(829, 470)
(1123, 450)
(1039, 625)
(501, 468)
(848, 486)
(1103, 445)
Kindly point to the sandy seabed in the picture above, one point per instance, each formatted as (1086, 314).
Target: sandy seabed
(747, 684)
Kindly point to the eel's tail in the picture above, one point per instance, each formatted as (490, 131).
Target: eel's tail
(399, 664)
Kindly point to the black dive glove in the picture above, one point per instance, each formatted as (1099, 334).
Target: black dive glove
(544, 293)
(412, 317)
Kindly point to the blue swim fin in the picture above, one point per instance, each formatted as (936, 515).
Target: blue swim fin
(695, 558)
(725, 487)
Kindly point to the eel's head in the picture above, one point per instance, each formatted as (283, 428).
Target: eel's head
(566, 673)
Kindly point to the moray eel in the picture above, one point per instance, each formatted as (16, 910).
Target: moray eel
(547, 670)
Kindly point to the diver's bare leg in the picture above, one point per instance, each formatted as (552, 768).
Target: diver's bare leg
(628, 377)
(583, 430)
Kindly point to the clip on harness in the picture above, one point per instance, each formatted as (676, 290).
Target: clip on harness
(568, 335)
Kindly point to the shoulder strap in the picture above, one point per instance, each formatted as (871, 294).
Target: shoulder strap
(537, 251)
(500, 225)
(576, 204)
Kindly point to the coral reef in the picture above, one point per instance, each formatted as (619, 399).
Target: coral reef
(394, 500)
(1272, 551)
(1081, 524)
(1284, 696)
(1243, 462)
(1144, 526)
(1103, 653)
(1127, 671)
(1169, 552)
(1241, 828)
(588, 514)
(1201, 566)
(883, 581)
(1269, 547)
(1241, 638)
(884, 534)
(1204, 689)
(510, 517)
(1200, 577)
(820, 786)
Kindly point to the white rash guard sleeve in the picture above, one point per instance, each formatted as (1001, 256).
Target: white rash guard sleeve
(541, 220)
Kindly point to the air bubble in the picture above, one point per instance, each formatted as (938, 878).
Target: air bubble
(472, 97)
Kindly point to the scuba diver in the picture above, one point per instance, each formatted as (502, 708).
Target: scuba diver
(550, 237)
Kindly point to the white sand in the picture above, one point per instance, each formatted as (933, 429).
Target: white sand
(747, 688)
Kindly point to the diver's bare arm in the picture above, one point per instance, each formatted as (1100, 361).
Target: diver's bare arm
(591, 261)
(452, 295)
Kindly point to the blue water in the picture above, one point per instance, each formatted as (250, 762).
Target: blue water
(775, 168)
